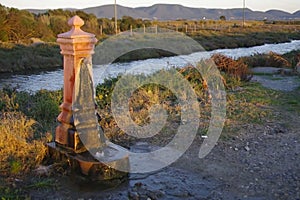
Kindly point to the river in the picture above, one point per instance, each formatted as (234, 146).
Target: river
(53, 80)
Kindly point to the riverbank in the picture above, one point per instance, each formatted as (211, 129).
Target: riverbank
(212, 40)
(283, 55)
(18, 58)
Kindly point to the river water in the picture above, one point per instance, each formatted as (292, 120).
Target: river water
(53, 80)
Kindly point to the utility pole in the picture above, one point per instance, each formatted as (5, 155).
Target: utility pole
(244, 5)
(116, 19)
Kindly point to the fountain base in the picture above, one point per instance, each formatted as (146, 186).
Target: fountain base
(100, 169)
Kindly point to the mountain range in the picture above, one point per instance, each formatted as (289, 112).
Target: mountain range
(174, 12)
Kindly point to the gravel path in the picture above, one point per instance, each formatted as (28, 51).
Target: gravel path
(269, 77)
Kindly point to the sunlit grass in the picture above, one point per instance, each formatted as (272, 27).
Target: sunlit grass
(19, 150)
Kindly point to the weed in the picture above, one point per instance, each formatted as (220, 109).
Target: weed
(42, 183)
(7, 193)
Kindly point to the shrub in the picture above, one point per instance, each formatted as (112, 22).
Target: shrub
(270, 60)
(276, 60)
(19, 151)
(236, 69)
(104, 92)
(42, 106)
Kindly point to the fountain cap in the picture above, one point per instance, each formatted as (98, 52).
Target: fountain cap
(76, 22)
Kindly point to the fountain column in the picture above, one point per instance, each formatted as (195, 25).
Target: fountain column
(78, 137)
(75, 45)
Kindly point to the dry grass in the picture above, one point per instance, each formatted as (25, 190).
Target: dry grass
(19, 151)
(270, 59)
(277, 60)
(236, 69)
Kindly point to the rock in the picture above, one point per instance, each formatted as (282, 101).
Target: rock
(247, 148)
(133, 195)
(179, 193)
(298, 70)
(283, 71)
(43, 170)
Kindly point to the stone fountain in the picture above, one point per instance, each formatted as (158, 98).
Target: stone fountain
(79, 137)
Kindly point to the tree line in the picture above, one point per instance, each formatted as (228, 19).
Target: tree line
(21, 25)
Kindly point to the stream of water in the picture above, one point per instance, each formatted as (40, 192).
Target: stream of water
(53, 80)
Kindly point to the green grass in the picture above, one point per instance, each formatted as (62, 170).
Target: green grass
(251, 103)
(42, 183)
(7, 193)
(289, 101)
(42, 106)
(24, 58)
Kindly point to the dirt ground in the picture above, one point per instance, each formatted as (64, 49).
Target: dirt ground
(259, 162)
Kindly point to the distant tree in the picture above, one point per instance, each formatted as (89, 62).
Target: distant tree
(44, 18)
(43, 28)
(90, 22)
(56, 12)
(84, 16)
(126, 22)
(223, 18)
(107, 25)
(3, 22)
(21, 25)
(58, 24)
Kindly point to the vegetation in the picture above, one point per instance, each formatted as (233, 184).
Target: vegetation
(21, 26)
(28, 120)
(217, 34)
(237, 69)
(27, 39)
(24, 58)
(288, 60)
(20, 151)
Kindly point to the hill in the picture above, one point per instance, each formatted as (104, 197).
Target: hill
(175, 11)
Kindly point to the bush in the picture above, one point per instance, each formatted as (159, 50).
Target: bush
(236, 69)
(42, 106)
(268, 60)
(19, 151)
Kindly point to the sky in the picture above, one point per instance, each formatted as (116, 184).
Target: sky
(257, 5)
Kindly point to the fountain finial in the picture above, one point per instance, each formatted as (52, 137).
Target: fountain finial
(76, 22)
